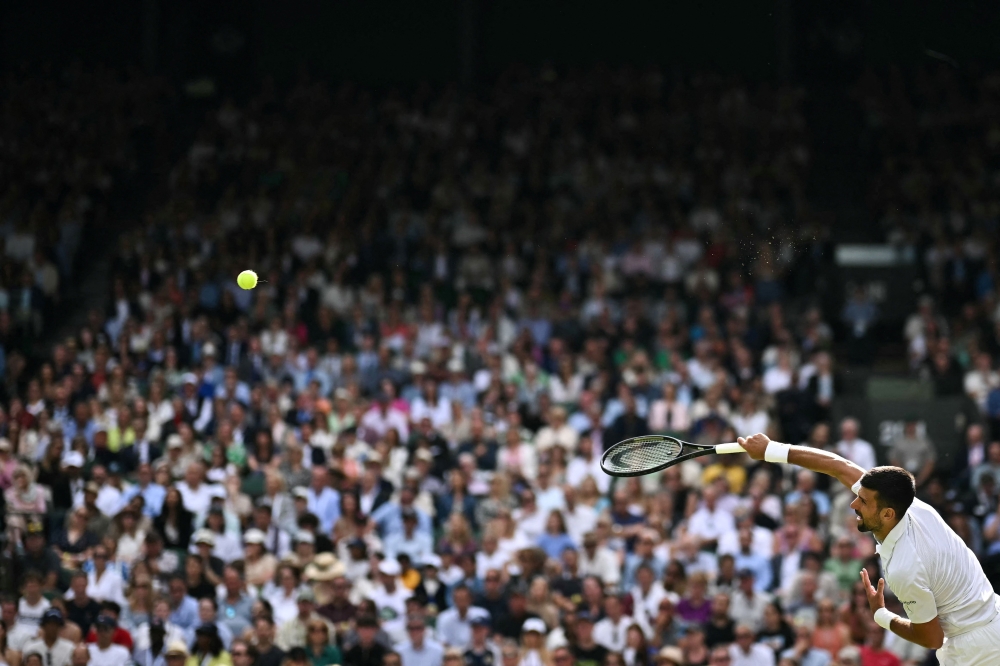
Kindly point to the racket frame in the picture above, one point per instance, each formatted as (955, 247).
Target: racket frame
(700, 450)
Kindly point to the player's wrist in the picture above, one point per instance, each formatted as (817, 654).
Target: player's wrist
(884, 617)
(776, 452)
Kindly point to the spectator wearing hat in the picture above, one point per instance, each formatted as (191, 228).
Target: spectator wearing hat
(431, 591)
(278, 541)
(482, 651)
(38, 557)
(259, 564)
(104, 650)
(586, 650)
(390, 600)
(454, 625)
(670, 655)
(338, 609)
(207, 648)
(58, 650)
(176, 654)
(203, 548)
(296, 630)
(366, 651)
(418, 649)
(533, 651)
(121, 635)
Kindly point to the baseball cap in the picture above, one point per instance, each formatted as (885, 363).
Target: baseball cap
(305, 536)
(745, 573)
(175, 442)
(35, 527)
(253, 535)
(177, 648)
(389, 567)
(53, 615)
(204, 536)
(671, 653)
(431, 560)
(301, 492)
(106, 622)
(533, 624)
(584, 616)
(207, 629)
(305, 594)
(73, 459)
(481, 621)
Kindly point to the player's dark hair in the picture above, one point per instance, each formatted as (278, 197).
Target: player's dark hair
(894, 485)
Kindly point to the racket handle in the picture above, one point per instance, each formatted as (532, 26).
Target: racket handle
(729, 448)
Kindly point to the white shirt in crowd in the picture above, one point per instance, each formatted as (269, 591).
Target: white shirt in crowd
(710, 525)
(761, 542)
(198, 500)
(392, 610)
(114, 655)
(759, 655)
(109, 587)
(858, 451)
(579, 469)
(611, 634)
(31, 616)
(934, 574)
(604, 565)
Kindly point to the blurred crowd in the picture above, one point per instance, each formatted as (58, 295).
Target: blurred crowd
(67, 143)
(387, 454)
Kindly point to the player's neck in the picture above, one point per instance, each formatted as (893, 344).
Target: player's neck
(881, 535)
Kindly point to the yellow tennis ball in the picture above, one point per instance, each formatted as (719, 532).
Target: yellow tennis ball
(247, 280)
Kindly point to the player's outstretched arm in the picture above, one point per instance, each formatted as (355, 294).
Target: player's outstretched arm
(817, 460)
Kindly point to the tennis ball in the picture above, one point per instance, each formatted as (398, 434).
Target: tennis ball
(247, 280)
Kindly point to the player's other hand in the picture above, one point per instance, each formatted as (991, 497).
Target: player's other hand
(876, 598)
(755, 445)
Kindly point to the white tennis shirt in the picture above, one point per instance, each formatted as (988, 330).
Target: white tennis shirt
(933, 573)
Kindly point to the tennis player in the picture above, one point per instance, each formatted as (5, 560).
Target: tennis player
(948, 600)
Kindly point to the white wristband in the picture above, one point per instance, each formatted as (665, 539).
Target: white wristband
(776, 452)
(884, 617)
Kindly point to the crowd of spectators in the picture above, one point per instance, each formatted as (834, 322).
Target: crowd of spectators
(387, 453)
(67, 143)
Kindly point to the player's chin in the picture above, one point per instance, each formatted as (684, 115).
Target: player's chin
(862, 527)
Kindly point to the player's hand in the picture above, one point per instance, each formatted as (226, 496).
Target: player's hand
(755, 445)
(876, 598)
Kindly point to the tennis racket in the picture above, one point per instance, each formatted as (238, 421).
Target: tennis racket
(651, 453)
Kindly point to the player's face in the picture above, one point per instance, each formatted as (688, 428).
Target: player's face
(866, 508)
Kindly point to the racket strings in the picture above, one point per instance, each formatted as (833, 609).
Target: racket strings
(642, 453)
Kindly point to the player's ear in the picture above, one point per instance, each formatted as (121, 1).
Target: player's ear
(888, 513)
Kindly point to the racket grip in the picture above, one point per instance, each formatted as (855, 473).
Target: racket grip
(729, 448)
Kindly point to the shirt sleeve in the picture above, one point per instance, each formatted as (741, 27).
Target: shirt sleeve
(916, 597)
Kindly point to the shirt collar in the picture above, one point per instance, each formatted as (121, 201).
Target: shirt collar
(889, 544)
